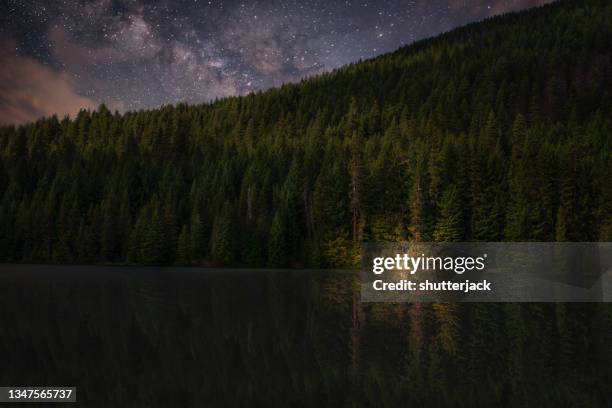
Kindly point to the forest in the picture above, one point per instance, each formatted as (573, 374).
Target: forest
(496, 131)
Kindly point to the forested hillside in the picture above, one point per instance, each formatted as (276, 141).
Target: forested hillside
(500, 130)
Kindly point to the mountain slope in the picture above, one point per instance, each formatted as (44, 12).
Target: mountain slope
(499, 130)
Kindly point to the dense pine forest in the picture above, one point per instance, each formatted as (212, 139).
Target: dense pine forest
(500, 130)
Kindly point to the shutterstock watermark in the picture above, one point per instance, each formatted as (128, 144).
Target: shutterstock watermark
(486, 272)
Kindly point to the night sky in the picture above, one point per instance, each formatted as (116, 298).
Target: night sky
(60, 56)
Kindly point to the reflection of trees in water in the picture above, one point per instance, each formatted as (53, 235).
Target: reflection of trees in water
(155, 337)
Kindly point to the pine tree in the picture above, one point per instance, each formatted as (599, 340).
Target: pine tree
(153, 240)
(184, 247)
(277, 248)
(449, 227)
(197, 241)
(222, 249)
(419, 216)
(356, 186)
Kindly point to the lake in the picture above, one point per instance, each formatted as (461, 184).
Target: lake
(149, 336)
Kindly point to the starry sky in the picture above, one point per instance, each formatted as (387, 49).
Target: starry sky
(58, 56)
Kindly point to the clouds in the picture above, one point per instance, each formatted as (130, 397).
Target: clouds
(30, 90)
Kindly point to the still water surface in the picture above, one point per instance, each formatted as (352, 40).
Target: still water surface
(189, 337)
(147, 336)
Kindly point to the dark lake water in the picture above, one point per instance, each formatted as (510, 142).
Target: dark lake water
(189, 337)
(177, 336)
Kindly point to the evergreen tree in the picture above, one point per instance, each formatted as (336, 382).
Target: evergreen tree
(222, 249)
(184, 247)
(197, 240)
(448, 227)
(153, 244)
(277, 249)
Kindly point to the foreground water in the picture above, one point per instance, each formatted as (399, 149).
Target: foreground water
(176, 336)
(188, 337)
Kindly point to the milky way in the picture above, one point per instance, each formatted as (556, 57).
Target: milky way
(59, 56)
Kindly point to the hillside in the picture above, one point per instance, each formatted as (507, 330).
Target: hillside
(499, 130)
